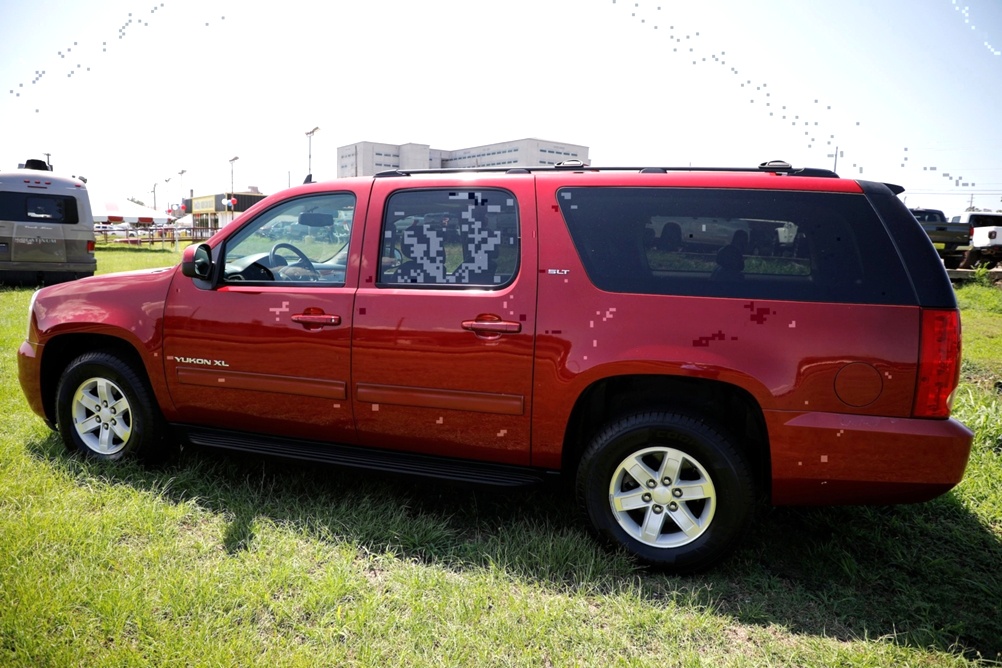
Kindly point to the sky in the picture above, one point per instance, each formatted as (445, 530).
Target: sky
(130, 94)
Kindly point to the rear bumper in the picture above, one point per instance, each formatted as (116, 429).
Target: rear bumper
(35, 273)
(831, 459)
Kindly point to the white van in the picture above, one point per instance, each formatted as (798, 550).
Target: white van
(46, 227)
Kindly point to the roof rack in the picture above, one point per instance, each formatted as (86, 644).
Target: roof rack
(773, 166)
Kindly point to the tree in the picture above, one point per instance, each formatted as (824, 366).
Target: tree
(136, 201)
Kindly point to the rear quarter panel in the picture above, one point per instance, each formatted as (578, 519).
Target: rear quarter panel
(789, 356)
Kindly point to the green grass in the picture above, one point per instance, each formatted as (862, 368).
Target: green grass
(124, 257)
(223, 560)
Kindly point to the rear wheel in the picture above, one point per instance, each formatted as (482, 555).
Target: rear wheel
(104, 409)
(670, 488)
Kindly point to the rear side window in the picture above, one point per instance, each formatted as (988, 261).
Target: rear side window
(803, 246)
(450, 239)
(38, 208)
(985, 220)
(928, 215)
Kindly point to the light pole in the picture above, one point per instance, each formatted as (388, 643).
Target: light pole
(309, 157)
(180, 185)
(154, 195)
(232, 211)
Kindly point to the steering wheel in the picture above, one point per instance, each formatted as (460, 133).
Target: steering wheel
(276, 260)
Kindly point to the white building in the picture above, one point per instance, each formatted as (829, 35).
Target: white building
(367, 158)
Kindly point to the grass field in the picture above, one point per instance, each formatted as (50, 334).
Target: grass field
(222, 560)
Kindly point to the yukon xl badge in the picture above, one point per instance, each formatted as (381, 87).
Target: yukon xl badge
(199, 360)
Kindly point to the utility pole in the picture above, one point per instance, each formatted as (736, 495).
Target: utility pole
(232, 206)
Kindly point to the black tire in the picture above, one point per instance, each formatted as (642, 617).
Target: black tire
(712, 491)
(106, 410)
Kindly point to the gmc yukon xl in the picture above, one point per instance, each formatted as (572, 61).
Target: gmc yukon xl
(679, 343)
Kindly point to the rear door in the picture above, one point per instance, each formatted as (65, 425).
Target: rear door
(444, 319)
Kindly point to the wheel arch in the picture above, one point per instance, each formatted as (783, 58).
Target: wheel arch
(61, 350)
(727, 406)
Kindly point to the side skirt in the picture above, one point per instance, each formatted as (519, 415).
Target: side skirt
(387, 461)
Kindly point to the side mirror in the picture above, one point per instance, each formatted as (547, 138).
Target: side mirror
(196, 261)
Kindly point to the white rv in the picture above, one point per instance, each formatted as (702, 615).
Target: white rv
(46, 227)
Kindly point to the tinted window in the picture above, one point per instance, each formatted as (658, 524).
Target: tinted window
(304, 240)
(38, 208)
(928, 215)
(985, 220)
(735, 243)
(450, 238)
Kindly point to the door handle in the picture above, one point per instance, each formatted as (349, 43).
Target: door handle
(490, 324)
(316, 320)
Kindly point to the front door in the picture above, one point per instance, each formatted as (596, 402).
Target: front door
(265, 348)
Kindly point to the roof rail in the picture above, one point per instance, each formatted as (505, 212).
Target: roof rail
(773, 166)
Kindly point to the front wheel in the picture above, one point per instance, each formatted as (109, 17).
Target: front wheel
(670, 488)
(105, 410)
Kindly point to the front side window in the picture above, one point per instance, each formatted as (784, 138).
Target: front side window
(753, 244)
(304, 240)
(450, 239)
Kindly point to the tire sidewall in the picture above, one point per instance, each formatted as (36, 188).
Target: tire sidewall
(726, 466)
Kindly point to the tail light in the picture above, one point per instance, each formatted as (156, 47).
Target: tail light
(939, 363)
(90, 246)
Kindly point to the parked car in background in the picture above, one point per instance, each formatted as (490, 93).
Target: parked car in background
(46, 227)
(986, 239)
(951, 238)
(618, 327)
(115, 229)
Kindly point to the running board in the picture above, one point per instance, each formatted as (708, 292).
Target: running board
(387, 461)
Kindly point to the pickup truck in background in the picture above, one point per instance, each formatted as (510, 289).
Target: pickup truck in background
(986, 239)
(951, 238)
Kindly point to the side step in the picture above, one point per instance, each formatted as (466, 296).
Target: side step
(387, 461)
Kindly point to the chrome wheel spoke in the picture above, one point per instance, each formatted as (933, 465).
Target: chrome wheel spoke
(670, 466)
(105, 391)
(639, 471)
(632, 500)
(121, 430)
(120, 407)
(106, 441)
(651, 529)
(686, 521)
(695, 490)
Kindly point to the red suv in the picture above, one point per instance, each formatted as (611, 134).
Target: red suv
(680, 342)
